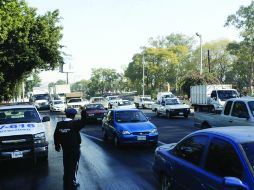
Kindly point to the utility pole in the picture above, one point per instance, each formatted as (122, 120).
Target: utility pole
(201, 64)
(143, 63)
(209, 60)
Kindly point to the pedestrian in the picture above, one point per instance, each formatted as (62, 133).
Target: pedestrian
(67, 138)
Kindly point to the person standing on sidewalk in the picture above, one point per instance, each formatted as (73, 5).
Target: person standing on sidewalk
(67, 138)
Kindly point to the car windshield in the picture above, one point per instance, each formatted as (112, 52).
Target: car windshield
(98, 99)
(172, 102)
(124, 103)
(19, 115)
(227, 94)
(74, 100)
(169, 96)
(249, 151)
(95, 107)
(146, 99)
(41, 97)
(58, 102)
(130, 116)
(113, 98)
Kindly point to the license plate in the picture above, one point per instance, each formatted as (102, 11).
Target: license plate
(17, 154)
(180, 113)
(141, 138)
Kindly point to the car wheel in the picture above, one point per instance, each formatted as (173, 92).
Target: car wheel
(168, 114)
(205, 125)
(104, 135)
(165, 183)
(116, 142)
(143, 106)
(157, 112)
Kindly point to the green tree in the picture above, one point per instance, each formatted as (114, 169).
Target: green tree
(103, 81)
(27, 42)
(244, 21)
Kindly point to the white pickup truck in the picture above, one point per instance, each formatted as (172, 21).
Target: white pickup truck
(236, 112)
(22, 133)
(171, 107)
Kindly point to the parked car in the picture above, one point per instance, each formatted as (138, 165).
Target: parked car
(57, 105)
(216, 158)
(129, 126)
(22, 133)
(93, 112)
(124, 104)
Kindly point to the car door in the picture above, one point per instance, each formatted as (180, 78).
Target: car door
(221, 161)
(110, 124)
(188, 158)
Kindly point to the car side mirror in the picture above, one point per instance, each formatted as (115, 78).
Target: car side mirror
(45, 119)
(234, 182)
(148, 118)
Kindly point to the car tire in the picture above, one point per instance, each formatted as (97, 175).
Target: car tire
(143, 106)
(116, 142)
(157, 113)
(104, 135)
(168, 115)
(205, 125)
(165, 183)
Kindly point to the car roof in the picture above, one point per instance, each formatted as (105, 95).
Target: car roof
(125, 109)
(239, 134)
(16, 107)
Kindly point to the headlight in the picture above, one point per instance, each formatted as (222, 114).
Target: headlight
(154, 131)
(39, 138)
(39, 135)
(91, 114)
(126, 132)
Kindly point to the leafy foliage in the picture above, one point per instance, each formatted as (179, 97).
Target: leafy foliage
(27, 42)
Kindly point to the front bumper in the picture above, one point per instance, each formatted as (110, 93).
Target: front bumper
(179, 112)
(139, 139)
(23, 154)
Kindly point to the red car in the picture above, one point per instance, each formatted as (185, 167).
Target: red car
(93, 112)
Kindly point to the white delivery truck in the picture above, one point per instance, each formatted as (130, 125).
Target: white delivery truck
(143, 101)
(40, 98)
(61, 90)
(211, 97)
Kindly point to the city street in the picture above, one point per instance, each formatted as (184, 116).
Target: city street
(101, 166)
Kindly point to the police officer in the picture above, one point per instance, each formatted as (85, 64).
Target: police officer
(67, 137)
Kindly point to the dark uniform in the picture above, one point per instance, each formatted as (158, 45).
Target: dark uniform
(67, 137)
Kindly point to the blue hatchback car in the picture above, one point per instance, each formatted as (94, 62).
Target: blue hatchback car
(211, 159)
(128, 126)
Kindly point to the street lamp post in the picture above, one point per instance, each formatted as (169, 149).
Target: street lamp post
(201, 65)
(143, 85)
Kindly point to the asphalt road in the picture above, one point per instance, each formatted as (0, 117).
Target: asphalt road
(101, 166)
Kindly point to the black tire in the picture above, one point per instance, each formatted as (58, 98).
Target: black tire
(186, 116)
(116, 142)
(157, 113)
(136, 104)
(168, 114)
(205, 125)
(165, 183)
(104, 135)
(143, 106)
(154, 144)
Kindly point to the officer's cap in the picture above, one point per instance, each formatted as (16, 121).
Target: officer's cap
(71, 111)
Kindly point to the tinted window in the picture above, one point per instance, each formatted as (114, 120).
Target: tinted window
(130, 116)
(228, 108)
(74, 100)
(191, 149)
(249, 151)
(213, 95)
(239, 108)
(222, 159)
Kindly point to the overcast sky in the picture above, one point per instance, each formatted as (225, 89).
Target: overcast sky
(107, 33)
